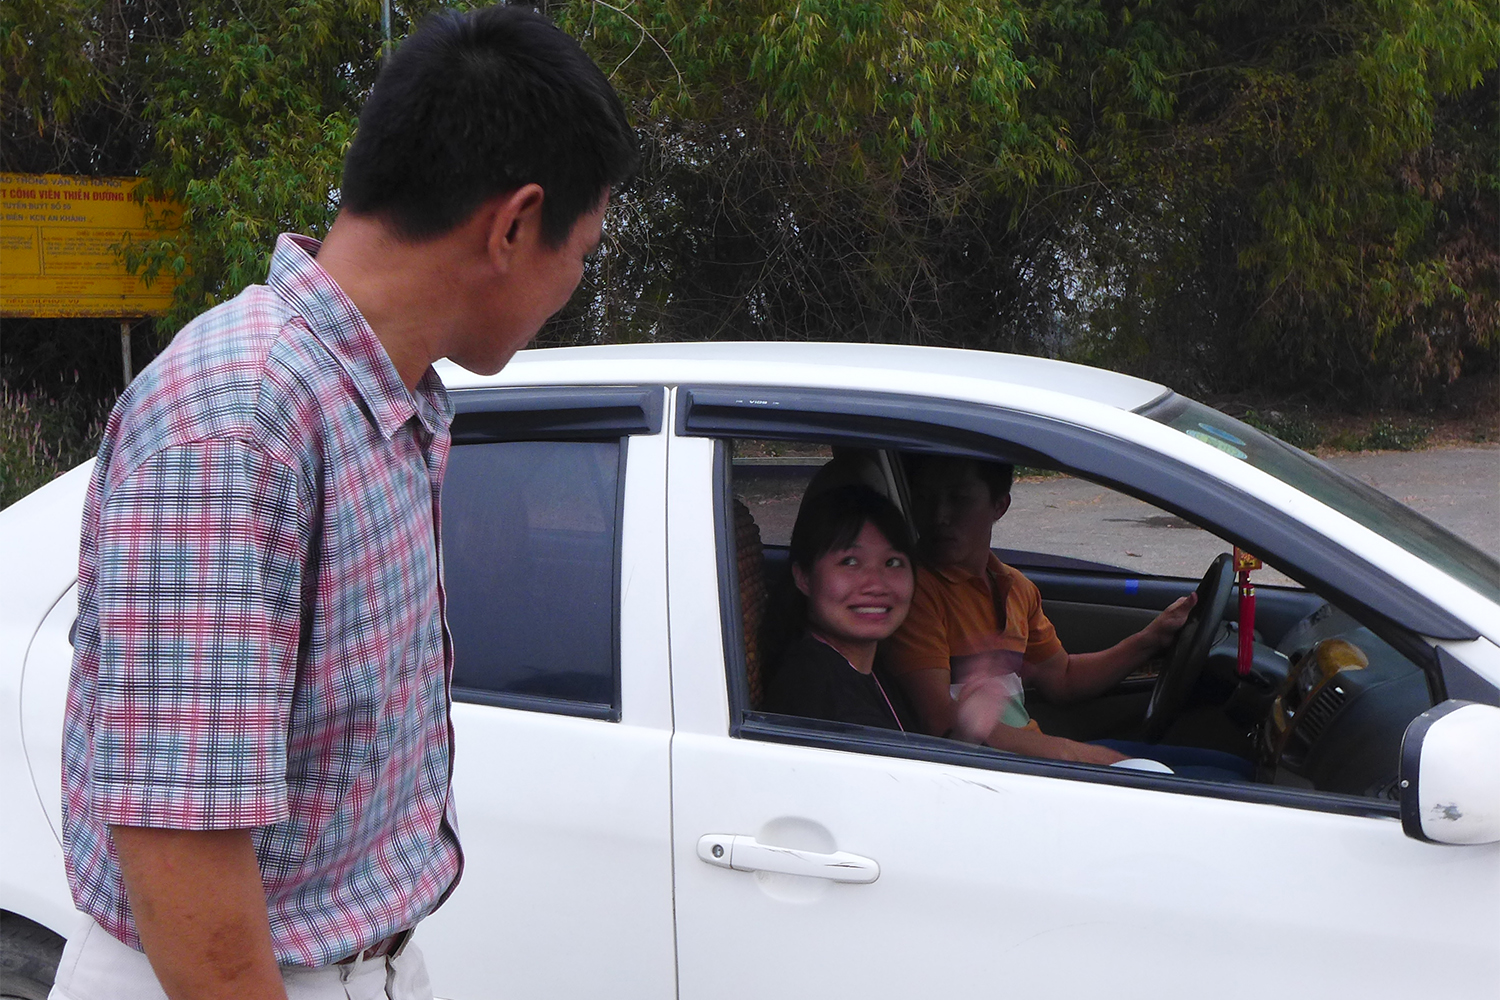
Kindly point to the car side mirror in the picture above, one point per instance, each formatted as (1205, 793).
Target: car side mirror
(1450, 774)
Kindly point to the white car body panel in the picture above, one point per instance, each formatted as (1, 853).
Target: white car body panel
(40, 546)
(995, 883)
(582, 875)
(44, 697)
(572, 816)
(792, 363)
(999, 881)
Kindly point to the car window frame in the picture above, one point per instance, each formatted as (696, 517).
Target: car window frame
(582, 414)
(868, 418)
(858, 417)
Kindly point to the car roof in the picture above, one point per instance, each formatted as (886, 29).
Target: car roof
(904, 368)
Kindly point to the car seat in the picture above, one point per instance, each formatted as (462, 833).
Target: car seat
(849, 467)
(750, 564)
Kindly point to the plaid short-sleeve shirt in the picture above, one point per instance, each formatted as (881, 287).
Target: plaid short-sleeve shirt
(260, 639)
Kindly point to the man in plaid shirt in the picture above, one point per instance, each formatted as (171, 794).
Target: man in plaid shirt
(257, 750)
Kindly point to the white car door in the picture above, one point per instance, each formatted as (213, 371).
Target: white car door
(554, 542)
(1001, 876)
(554, 546)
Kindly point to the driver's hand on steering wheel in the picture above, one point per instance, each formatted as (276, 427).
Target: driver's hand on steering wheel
(1165, 626)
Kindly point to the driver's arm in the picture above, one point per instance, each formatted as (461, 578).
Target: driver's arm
(1073, 676)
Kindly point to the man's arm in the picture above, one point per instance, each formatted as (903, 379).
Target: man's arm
(200, 910)
(1067, 676)
(201, 555)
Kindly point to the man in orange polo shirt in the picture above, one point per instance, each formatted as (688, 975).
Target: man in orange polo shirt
(961, 663)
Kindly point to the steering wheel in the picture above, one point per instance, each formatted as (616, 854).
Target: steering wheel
(1190, 648)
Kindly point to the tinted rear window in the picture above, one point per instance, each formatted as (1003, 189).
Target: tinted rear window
(530, 531)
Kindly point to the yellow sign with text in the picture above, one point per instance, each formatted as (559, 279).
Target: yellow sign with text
(56, 234)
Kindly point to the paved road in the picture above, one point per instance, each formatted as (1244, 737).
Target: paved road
(1459, 488)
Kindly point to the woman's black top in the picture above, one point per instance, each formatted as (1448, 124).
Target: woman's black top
(814, 680)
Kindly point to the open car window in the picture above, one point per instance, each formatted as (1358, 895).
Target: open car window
(1320, 713)
(1061, 521)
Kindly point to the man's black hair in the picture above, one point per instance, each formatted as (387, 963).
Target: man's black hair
(831, 521)
(997, 476)
(475, 104)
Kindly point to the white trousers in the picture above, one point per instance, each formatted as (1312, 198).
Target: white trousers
(95, 966)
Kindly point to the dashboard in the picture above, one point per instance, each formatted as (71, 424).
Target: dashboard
(1328, 704)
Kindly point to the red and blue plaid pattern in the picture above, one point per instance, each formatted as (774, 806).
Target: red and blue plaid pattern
(260, 638)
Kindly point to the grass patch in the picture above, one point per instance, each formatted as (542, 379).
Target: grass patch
(1383, 435)
(1027, 472)
(42, 436)
(1387, 435)
(757, 448)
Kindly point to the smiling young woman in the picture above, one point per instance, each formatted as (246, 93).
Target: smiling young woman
(851, 558)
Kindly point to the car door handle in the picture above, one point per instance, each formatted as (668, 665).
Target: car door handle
(746, 854)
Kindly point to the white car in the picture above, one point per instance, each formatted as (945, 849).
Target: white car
(635, 824)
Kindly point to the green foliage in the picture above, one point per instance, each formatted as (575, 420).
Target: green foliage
(1383, 435)
(856, 83)
(1319, 208)
(241, 111)
(1191, 191)
(1299, 195)
(252, 107)
(42, 436)
(1389, 435)
(823, 169)
(45, 71)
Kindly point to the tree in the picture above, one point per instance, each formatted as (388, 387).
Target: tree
(1303, 194)
(1305, 191)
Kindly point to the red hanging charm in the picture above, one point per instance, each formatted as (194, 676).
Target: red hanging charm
(1244, 562)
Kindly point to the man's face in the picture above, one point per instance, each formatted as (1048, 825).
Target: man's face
(955, 513)
(540, 283)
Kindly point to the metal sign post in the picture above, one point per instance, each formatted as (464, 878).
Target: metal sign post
(125, 348)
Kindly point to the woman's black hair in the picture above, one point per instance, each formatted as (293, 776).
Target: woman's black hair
(831, 522)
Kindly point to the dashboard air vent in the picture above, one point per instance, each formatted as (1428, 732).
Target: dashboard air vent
(1318, 713)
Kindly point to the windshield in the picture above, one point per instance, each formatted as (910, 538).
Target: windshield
(1349, 496)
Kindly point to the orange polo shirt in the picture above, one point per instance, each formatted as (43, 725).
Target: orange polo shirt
(953, 616)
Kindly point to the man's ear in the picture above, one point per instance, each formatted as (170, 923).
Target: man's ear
(1001, 506)
(800, 579)
(513, 224)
